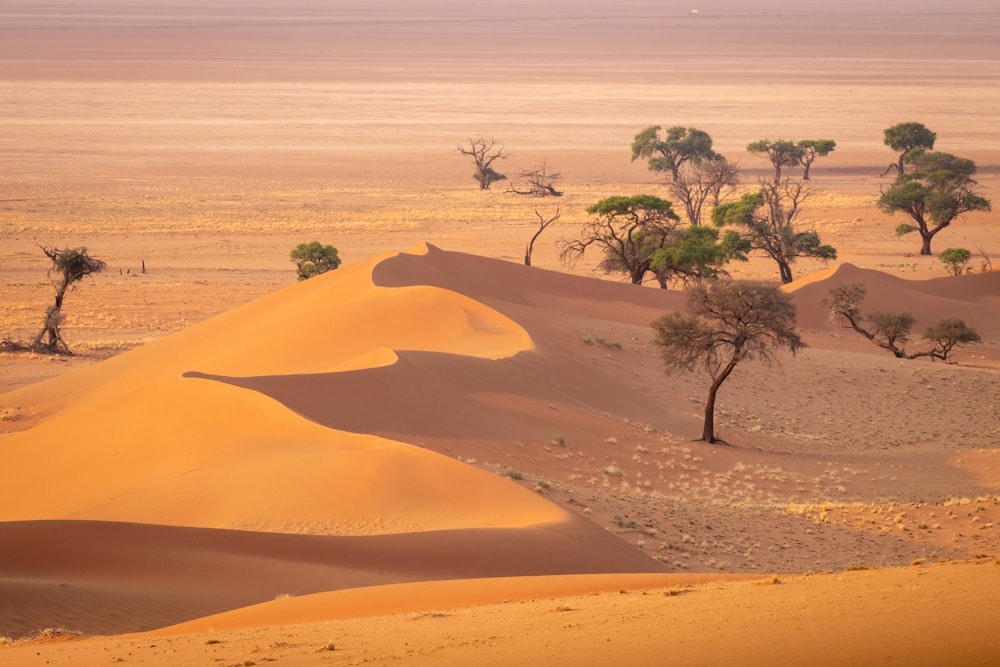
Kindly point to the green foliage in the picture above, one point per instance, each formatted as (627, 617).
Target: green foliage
(893, 328)
(811, 149)
(955, 260)
(696, 253)
(628, 230)
(636, 207)
(904, 228)
(946, 335)
(677, 146)
(313, 258)
(906, 137)
(938, 191)
(766, 221)
(782, 153)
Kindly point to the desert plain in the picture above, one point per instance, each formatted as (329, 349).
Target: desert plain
(434, 454)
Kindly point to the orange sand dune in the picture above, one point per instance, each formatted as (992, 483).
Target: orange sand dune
(230, 464)
(974, 298)
(151, 445)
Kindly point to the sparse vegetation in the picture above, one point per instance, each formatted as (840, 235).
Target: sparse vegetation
(892, 331)
(484, 152)
(727, 322)
(313, 258)
(69, 267)
(543, 224)
(955, 260)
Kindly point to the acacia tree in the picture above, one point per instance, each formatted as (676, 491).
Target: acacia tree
(905, 138)
(937, 192)
(484, 152)
(726, 323)
(768, 220)
(955, 260)
(781, 153)
(892, 331)
(313, 258)
(542, 225)
(699, 181)
(69, 266)
(696, 253)
(678, 146)
(628, 230)
(812, 149)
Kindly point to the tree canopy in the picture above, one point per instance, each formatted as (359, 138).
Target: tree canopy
(313, 258)
(726, 322)
(781, 153)
(812, 149)
(628, 230)
(767, 220)
(939, 190)
(69, 266)
(676, 147)
(906, 137)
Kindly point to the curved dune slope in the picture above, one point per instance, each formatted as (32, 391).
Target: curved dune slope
(973, 298)
(130, 503)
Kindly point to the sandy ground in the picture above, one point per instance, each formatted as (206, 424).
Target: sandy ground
(437, 455)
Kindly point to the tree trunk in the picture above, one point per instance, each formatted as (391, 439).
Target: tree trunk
(925, 246)
(708, 430)
(805, 171)
(899, 165)
(785, 270)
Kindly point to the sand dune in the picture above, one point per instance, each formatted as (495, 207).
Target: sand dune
(237, 465)
(972, 298)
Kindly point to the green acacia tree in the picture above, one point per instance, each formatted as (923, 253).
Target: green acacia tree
(955, 260)
(812, 149)
(781, 153)
(678, 145)
(768, 221)
(727, 322)
(313, 258)
(939, 190)
(697, 253)
(628, 230)
(905, 138)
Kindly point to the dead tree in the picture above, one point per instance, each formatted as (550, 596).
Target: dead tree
(542, 224)
(540, 182)
(69, 266)
(484, 152)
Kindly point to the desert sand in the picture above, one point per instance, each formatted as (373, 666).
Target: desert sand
(434, 454)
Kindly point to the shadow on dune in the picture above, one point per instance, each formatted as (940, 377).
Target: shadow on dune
(105, 577)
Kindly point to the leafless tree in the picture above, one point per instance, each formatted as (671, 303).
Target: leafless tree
(484, 152)
(698, 182)
(542, 224)
(540, 182)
